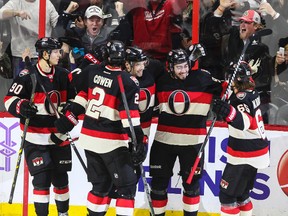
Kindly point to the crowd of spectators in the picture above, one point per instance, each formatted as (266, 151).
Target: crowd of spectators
(156, 26)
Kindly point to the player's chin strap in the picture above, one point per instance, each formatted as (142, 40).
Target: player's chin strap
(255, 36)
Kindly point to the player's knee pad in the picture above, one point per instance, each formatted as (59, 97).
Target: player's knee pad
(60, 180)
(102, 189)
(159, 187)
(42, 180)
(226, 199)
(191, 190)
(127, 192)
(244, 197)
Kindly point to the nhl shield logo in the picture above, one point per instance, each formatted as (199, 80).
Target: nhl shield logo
(37, 161)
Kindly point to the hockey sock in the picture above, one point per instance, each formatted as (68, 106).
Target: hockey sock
(62, 199)
(246, 210)
(97, 205)
(124, 207)
(41, 202)
(230, 211)
(159, 202)
(190, 205)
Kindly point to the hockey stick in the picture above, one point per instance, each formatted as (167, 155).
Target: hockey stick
(134, 141)
(257, 35)
(29, 66)
(34, 82)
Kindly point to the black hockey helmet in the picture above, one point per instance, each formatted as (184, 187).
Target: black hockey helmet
(176, 56)
(47, 43)
(100, 52)
(116, 52)
(244, 72)
(135, 54)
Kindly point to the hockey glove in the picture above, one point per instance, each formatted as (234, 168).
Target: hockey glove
(61, 139)
(222, 108)
(139, 154)
(25, 109)
(66, 122)
(196, 51)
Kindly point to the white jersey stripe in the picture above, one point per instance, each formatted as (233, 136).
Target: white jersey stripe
(100, 145)
(178, 139)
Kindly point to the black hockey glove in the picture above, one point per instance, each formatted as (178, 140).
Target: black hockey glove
(61, 139)
(139, 154)
(222, 108)
(25, 109)
(66, 122)
(196, 51)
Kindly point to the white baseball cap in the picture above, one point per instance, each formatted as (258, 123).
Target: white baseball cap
(94, 11)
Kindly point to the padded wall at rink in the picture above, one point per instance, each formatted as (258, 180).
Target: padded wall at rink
(269, 195)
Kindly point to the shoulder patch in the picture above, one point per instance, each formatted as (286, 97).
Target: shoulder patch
(135, 80)
(241, 95)
(24, 72)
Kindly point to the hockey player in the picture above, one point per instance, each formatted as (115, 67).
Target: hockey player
(136, 63)
(105, 132)
(247, 148)
(184, 97)
(48, 163)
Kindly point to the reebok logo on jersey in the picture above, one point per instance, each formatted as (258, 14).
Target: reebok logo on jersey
(155, 166)
(38, 161)
(224, 184)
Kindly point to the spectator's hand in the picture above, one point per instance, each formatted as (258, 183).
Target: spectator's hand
(23, 15)
(119, 8)
(25, 53)
(186, 42)
(25, 109)
(71, 57)
(79, 23)
(196, 51)
(279, 58)
(72, 7)
(223, 109)
(266, 8)
(226, 3)
(139, 155)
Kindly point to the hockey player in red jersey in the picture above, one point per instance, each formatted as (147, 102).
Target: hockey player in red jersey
(105, 132)
(42, 155)
(184, 97)
(247, 148)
